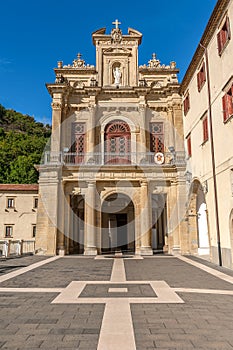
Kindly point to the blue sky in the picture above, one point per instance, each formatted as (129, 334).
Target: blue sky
(36, 34)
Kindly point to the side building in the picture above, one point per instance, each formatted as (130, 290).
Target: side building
(18, 215)
(114, 177)
(207, 91)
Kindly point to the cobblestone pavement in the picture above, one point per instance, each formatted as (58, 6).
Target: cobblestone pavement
(31, 319)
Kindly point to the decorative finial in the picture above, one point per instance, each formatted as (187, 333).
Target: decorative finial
(153, 56)
(116, 23)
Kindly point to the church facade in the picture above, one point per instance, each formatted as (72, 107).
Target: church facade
(114, 175)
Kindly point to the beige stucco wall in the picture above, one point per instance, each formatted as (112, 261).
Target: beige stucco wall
(22, 217)
(200, 164)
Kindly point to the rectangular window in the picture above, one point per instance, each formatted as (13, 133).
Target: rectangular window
(35, 203)
(189, 146)
(205, 129)
(10, 203)
(223, 36)
(9, 231)
(34, 231)
(201, 77)
(78, 141)
(156, 137)
(186, 104)
(227, 104)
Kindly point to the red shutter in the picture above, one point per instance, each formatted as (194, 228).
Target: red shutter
(189, 146)
(229, 104)
(224, 105)
(219, 42)
(205, 129)
(228, 28)
(199, 81)
(203, 73)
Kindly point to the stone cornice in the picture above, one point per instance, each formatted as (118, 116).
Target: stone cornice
(97, 90)
(75, 70)
(211, 27)
(158, 70)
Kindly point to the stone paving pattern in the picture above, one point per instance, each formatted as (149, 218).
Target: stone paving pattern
(30, 321)
(62, 271)
(13, 264)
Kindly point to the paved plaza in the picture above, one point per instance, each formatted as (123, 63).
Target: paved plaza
(115, 302)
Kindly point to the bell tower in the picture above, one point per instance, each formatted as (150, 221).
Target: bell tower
(117, 56)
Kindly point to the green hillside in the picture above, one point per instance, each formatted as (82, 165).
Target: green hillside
(22, 141)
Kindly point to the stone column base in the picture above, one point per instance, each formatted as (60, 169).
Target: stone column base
(90, 251)
(146, 251)
(176, 250)
(61, 252)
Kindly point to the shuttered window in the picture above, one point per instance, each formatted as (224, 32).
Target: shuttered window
(186, 104)
(205, 129)
(201, 77)
(189, 147)
(223, 36)
(227, 104)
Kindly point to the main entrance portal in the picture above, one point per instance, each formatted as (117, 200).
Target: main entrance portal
(118, 226)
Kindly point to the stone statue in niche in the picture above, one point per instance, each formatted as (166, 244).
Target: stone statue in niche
(117, 75)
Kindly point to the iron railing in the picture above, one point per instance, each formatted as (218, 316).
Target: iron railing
(113, 159)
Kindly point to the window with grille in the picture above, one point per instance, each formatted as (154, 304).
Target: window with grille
(227, 104)
(78, 141)
(223, 36)
(157, 137)
(8, 231)
(201, 77)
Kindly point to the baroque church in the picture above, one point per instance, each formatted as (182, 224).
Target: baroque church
(113, 177)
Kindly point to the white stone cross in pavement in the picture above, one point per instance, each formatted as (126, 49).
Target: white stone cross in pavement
(117, 326)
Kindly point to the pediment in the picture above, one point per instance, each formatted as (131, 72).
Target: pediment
(100, 31)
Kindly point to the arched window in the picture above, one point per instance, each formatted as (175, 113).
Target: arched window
(117, 142)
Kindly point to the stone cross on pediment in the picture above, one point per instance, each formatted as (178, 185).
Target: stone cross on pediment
(116, 23)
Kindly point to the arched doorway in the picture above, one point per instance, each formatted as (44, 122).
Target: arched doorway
(118, 224)
(198, 221)
(202, 223)
(117, 139)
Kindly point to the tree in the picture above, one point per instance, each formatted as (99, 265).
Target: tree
(22, 141)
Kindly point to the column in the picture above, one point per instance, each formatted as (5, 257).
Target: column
(67, 222)
(90, 229)
(145, 221)
(60, 221)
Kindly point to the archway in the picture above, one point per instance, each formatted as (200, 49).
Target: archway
(117, 140)
(118, 224)
(198, 221)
